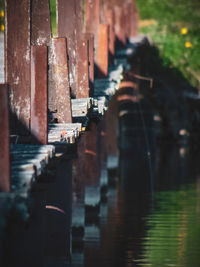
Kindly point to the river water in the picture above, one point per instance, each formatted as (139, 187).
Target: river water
(151, 213)
(144, 211)
(158, 228)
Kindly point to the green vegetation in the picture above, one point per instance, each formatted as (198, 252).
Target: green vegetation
(173, 27)
(53, 16)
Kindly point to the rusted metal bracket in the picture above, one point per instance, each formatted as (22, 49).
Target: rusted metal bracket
(139, 77)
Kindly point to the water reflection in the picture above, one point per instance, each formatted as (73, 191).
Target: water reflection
(149, 214)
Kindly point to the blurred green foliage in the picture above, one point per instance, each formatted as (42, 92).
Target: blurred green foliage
(53, 16)
(169, 17)
(173, 228)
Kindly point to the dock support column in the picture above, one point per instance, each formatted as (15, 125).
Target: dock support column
(90, 38)
(62, 94)
(17, 62)
(4, 140)
(66, 26)
(40, 22)
(102, 56)
(82, 68)
(39, 120)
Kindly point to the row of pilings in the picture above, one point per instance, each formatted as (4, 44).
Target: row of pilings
(53, 85)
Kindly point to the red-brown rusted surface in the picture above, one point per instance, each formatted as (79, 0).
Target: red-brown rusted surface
(92, 20)
(92, 15)
(17, 61)
(60, 63)
(110, 20)
(66, 26)
(134, 20)
(82, 68)
(102, 56)
(90, 38)
(119, 26)
(39, 90)
(79, 18)
(4, 140)
(40, 22)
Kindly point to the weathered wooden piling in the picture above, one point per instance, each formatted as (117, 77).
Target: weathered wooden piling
(39, 90)
(119, 27)
(83, 68)
(66, 27)
(102, 54)
(17, 62)
(61, 77)
(4, 140)
(110, 20)
(90, 39)
(40, 22)
(92, 21)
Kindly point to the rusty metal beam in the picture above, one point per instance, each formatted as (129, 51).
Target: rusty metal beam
(4, 140)
(102, 56)
(83, 68)
(17, 62)
(40, 22)
(61, 76)
(90, 38)
(39, 123)
(66, 27)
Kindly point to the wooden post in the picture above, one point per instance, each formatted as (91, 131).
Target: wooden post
(110, 20)
(62, 94)
(39, 120)
(17, 62)
(102, 56)
(4, 140)
(82, 68)
(66, 26)
(40, 22)
(90, 38)
(92, 21)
